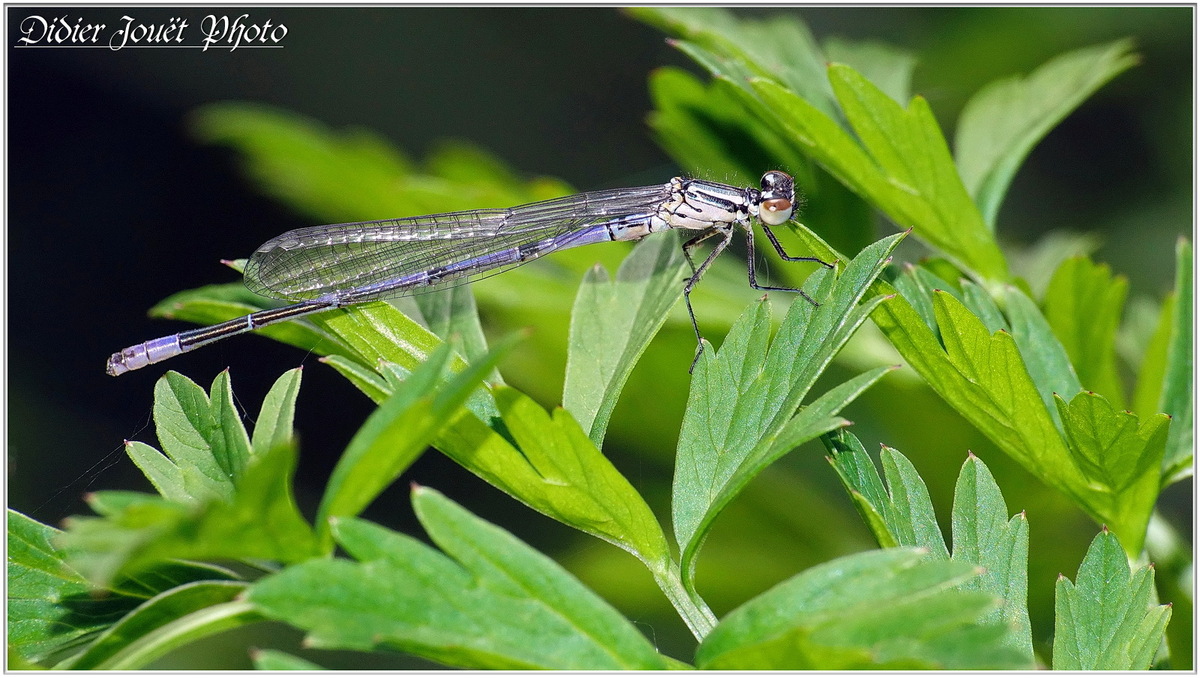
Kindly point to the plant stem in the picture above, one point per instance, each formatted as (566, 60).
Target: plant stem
(199, 624)
(695, 613)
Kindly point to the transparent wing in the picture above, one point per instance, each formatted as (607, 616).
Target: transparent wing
(390, 258)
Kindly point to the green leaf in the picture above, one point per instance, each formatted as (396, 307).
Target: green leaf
(902, 166)
(1107, 620)
(612, 322)
(984, 535)
(138, 532)
(230, 443)
(1113, 448)
(891, 609)
(986, 378)
(376, 331)
(983, 377)
(982, 531)
(779, 47)
(206, 445)
(368, 381)
(488, 602)
(399, 431)
(556, 470)
(548, 463)
(817, 418)
(862, 482)
(910, 151)
(1120, 456)
(1044, 356)
(900, 515)
(1002, 123)
(353, 174)
(704, 128)
(1153, 370)
(741, 406)
(1083, 305)
(451, 314)
(890, 68)
(382, 339)
(163, 474)
(167, 621)
(273, 427)
(1177, 394)
(981, 304)
(187, 430)
(51, 609)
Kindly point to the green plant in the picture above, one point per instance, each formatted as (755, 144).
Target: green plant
(967, 324)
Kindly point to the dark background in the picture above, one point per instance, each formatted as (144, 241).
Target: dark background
(112, 206)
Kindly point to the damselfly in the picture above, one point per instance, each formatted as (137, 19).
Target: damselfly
(326, 267)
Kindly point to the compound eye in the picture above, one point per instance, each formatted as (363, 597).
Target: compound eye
(776, 181)
(775, 211)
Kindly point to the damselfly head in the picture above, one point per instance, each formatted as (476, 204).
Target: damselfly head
(777, 199)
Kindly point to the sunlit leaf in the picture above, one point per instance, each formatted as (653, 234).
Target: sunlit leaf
(1004, 121)
(611, 324)
(1083, 305)
(488, 602)
(399, 431)
(167, 621)
(1107, 619)
(891, 609)
(744, 397)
